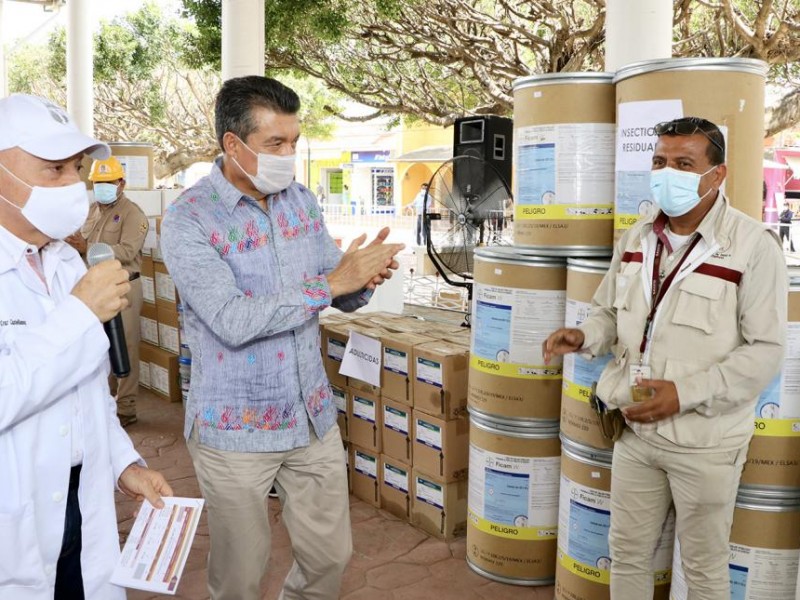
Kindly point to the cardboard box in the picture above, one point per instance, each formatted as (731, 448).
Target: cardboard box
(342, 398)
(148, 324)
(441, 448)
(147, 274)
(375, 333)
(397, 380)
(144, 364)
(151, 239)
(348, 461)
(396, 437)
(155, 251)
(164, 375)
(365, 420)
(365, 469)
(440, 379)
(334, 341)
(168, 337)
(395, 487)
(166, 294)
(438, 508)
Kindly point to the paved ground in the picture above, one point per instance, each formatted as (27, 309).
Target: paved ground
(391, 559)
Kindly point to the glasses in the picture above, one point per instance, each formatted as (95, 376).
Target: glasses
(688, 126)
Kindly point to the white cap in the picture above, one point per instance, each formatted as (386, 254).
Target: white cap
(44, 129)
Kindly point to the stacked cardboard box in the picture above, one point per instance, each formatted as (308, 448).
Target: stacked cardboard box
(160, 346)
(407, 439)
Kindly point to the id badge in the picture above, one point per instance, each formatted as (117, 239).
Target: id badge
(638, 372)
(638, 393)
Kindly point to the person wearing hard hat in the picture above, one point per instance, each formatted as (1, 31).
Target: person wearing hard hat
(117, 221)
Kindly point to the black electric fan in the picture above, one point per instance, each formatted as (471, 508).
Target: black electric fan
(468, 205)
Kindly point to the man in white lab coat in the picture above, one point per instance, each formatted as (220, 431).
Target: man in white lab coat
(62, 449)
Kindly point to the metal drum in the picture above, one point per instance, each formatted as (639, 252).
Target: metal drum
(584, 517)
(764, 547)
(773, 459)
(564, 162)
(727, 91)
(513, 500)
(519, 299)
(578, 421)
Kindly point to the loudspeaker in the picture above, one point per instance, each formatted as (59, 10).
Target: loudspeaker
(490, 139)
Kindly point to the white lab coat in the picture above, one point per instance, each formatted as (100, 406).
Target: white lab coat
(52, 348)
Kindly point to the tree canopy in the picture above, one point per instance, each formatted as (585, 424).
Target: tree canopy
(440, 59)
(148, 88)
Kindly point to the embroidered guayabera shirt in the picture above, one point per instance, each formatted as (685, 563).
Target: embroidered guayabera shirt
(252, 283)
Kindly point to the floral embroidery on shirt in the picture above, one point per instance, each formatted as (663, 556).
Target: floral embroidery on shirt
(281, 356)
(271, 418)
(251, 359)
(316, 294)
(318, 400)
(248, 293)
(238, 240)
(293, 223)
(220, 357)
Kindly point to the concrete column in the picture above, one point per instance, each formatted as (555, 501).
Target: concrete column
(637, 30)
(3, 74)
(80, 51)
(242, 38)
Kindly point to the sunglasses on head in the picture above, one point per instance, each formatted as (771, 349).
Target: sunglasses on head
(687, 127)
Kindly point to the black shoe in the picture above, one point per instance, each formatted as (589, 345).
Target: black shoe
(126, 420)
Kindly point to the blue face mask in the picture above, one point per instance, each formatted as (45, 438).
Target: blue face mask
(676, 191)
(105, 193)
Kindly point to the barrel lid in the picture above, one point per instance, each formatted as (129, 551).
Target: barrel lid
(598, 457)
(741, 65)
(562, 78)
(527, 429)
(583, 264)
(768, 499)
(521, 255)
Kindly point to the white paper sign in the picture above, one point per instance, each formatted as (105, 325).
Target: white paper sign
(158, 546)
(362, 359)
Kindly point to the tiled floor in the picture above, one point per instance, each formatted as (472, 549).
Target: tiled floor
(391, 560)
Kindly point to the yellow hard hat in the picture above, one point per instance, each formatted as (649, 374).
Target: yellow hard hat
(109, 169)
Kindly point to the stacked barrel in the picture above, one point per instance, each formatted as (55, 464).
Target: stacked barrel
(539, 510)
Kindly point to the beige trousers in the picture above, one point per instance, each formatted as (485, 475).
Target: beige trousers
(312, 485)
(645, 480)
(127, 389)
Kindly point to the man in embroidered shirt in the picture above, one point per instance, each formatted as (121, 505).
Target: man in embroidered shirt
(254, 264)
(697, 296)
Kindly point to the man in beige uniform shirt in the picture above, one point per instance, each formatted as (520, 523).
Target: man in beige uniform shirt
(117, 221)
(693, 309)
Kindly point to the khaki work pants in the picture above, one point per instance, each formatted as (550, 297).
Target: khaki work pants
(645, 481)
(126, 389)
(312, 485)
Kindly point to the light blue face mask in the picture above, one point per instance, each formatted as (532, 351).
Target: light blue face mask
(105, 193)
(676, 191)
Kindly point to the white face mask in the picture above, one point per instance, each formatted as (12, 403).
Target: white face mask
(57, 212)
(274, 174)
(105, 193)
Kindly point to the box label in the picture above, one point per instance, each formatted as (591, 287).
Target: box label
(148, 290)
(144, 373)
(430, 492)
(168, 338)
(159, 378)
(366, 465)
(148, 329)
(395, 361)
(396, 420)
(336, 349)
(429, 434)
(364, 409)
(395, 478)
(340, 399)
(429, 371)
(165, 288)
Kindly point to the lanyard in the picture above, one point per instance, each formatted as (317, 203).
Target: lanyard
(658, 291)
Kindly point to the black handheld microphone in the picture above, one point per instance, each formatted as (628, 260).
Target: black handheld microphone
(118, 352)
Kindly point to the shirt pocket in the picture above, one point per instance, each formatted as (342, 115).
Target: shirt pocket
(20, 559)
(698, 303)
(625, 286)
